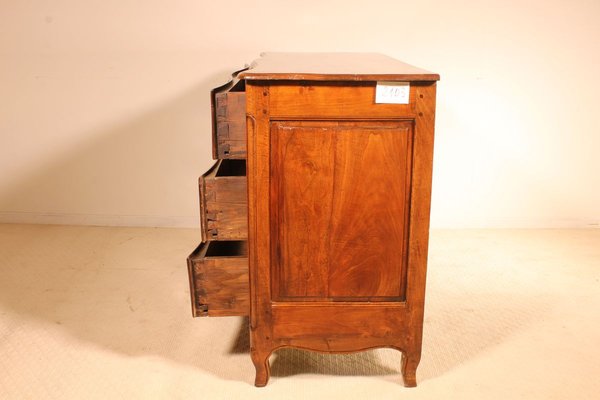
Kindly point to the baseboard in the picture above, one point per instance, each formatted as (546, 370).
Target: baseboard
(193, 221)
(100, 220)
(519, 223)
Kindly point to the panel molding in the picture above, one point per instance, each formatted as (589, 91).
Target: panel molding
(380, 149)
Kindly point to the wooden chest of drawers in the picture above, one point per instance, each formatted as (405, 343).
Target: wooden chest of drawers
(315, 219)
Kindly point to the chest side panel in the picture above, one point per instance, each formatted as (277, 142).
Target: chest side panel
(341, 191)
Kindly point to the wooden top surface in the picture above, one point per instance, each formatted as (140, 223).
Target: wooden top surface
(334, 66)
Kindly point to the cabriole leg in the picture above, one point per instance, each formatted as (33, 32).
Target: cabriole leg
(261, 363)
(410, 362)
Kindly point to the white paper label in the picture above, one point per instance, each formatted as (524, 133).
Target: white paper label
(392, 92)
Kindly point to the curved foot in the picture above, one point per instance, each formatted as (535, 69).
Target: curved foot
(410, 362)
(263, 370)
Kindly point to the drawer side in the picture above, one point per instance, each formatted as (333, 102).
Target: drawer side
(218, 282)
(229, 139)
(223, 202)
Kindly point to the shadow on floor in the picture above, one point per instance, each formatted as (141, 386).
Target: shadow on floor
(126, 291)
(458, 326)
(288, 362)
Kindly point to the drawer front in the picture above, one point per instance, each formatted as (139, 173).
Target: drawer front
(229, 124)
(223, 201)
(218, 274)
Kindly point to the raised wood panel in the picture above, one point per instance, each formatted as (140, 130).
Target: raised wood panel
(342, 212)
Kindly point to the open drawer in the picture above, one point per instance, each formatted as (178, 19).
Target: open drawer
(218, 273)
(229, 120)
(224, 201)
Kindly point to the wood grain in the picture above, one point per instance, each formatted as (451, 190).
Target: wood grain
(318, 184)
(350, 319)
(338, 197)
(230, 115)
(330, 247)
(235, 85)
(419, 227)
(218, 273)
(332, 100)
(223, 201)
(261, 336)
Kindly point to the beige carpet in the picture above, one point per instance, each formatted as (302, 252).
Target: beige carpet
(104, 313)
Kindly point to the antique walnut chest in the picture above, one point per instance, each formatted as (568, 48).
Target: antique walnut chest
(315, 218)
